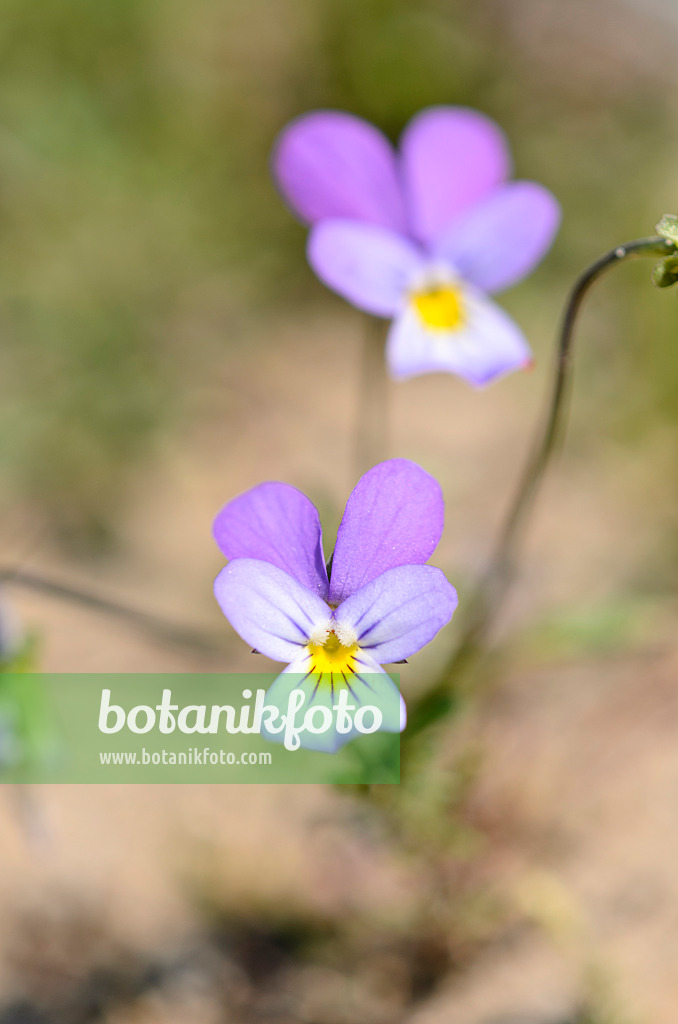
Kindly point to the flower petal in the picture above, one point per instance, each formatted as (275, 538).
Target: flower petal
(275, 523)
(332, 164)
(452, 158)
(488, 346)
(394, 516)
(399, 612)
(501, 239)
(269, 609)
(370, 687)
(370, 266)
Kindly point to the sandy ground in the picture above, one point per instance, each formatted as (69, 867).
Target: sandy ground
(581, 762)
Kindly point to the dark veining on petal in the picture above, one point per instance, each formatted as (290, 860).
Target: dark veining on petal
(352, 691)
(365, 683)
(316, 688)
(369, 629)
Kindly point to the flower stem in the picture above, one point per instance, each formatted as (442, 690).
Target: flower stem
(485, 602)
(372, 415)
(158, 627)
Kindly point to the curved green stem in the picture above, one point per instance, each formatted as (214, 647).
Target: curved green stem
(158, 627)
(486, 600)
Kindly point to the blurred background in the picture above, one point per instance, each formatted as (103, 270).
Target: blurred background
(163, 346)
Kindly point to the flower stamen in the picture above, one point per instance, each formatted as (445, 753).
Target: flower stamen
(440, 307)
(335, 655)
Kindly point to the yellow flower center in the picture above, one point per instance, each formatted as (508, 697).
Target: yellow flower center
(332, 656)
(441, 307)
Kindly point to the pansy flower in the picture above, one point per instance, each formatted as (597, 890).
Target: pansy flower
(378, 605)
(421, 236)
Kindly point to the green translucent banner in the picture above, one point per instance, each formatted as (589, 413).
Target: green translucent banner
(197, 728)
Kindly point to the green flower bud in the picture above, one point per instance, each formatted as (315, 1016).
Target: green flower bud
(665, 273)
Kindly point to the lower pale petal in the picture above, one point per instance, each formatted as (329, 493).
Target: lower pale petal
(368, 265)
(399, 612)
(269, 609)
(501, 239)
(370, 686)
(488, 346)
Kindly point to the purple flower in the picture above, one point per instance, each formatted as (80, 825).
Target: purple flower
(422, 235)
(380, 604)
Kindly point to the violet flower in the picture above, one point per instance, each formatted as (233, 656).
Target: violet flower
(420, 236)
(381, 603)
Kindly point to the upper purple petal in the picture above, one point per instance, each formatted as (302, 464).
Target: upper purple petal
(452, 158)
(275, 523)
(502, 238)
(394, 516)
(271, 611)
(332, 164)
(399, 612)
(370, 266)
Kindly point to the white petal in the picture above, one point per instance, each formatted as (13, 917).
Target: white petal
(488, 345)
(369, 686)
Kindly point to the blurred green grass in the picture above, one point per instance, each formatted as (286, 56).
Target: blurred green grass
(134, 185)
